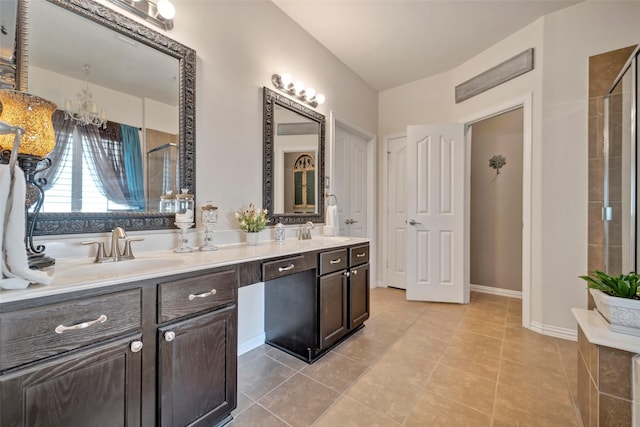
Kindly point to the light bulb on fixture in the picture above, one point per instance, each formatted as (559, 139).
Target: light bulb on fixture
(320, 99)
(299, 86)
(310, 92)
(286, 79)
(166, 9)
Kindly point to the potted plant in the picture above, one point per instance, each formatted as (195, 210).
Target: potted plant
(252, 221)
(617, 299)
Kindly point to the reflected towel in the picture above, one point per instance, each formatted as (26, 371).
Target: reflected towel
(14, 265)
(331, 221)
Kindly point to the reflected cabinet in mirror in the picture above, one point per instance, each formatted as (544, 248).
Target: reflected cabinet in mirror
(135, 140)
(293, 171)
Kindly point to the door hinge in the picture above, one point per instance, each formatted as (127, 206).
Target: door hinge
(607, 213)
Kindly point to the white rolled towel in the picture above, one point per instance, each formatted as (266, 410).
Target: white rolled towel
(14, 265)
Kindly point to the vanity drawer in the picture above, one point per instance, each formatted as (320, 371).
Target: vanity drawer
(333, 261)
(359, 255)
(283, 267)
(29, 335)
(183, 297)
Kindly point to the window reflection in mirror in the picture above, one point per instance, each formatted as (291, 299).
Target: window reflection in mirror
(137, 88)
(293, 172)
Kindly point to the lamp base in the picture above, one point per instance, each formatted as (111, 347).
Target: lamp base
(40, 261)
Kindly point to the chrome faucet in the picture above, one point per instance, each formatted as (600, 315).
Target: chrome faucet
(115, 254)
(304, 232)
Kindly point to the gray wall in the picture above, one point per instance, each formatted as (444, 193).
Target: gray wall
(496, 203)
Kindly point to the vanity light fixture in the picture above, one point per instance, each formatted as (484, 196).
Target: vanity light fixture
(158, 12)
(86, 112)
(308, 95)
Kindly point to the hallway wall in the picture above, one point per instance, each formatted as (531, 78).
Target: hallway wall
(496, 203)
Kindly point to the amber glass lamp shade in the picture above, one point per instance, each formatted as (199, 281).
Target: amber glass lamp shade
(33, 114)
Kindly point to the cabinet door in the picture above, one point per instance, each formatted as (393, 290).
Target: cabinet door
(197, 369)
(333, 308)
(97, 387)
(358, 295)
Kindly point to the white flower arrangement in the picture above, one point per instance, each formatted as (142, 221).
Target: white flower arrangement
(252, 220)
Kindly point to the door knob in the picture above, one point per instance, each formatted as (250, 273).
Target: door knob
(414, 222)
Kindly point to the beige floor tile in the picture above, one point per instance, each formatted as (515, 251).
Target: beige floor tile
(436, 411)
(533, 357)
(465, 388)
(543, 383)
(262, 375)
(385, 392)
(244, 402)
(523, 408)
(530, 338)
(257, 416)
(286, 359)
(253, 354)
(411, 367)
(370, 343)
(299, 401)
(335, 371)
(349, 413)
(481, 327)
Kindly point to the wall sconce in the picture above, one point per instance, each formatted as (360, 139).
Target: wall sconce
(297, 90)
(497, 162)
(158, 12)
(32, 115)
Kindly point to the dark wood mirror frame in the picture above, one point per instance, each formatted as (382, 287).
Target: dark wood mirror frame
(80, 222)
(271, 99)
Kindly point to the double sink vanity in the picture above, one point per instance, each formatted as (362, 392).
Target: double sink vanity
(153, 340)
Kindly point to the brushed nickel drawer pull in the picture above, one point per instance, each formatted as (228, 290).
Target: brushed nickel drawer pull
(61, 328)
(335, 261)
(361, 255)
(202, 295)
(287, 268)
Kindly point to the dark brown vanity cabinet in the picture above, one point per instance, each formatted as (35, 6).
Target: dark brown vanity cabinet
(73, 363)
(197, 347)
(142, 354)
(310, 309)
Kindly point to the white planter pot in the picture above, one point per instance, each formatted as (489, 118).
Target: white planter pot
(623, 314)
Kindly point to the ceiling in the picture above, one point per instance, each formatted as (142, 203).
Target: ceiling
(392, 42)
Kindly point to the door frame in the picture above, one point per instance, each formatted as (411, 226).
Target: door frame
(524, 102)
(384, 233)
(336, 119)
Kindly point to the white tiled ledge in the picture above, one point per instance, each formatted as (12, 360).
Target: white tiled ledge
(597, 332)
(71, 275)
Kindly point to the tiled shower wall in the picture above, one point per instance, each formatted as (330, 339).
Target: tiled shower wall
(603, 69)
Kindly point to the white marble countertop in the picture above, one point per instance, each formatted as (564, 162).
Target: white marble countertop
(79, 274)
(597, 332)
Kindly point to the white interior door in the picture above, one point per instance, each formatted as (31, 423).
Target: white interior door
(435, 214)
(397, 213)
(350, 182)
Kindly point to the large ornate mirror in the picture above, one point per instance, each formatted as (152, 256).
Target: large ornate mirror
(141, 81)
(293, 171)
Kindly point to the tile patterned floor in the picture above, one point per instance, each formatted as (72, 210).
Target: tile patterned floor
(418, 364)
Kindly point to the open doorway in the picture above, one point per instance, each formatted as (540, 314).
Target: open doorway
(496, 170)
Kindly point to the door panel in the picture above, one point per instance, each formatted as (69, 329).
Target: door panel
(397, 213)
(435, 213)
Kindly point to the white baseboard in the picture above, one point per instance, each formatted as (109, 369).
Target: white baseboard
(554, 331)
(249, 345)
(496, 291)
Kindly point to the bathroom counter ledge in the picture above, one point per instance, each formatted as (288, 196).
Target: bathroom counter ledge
(598, 333)
(80, 274)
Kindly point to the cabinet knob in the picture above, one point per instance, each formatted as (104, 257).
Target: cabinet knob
(354, 272)
(136, 346)
(346, 274)
(169, 336)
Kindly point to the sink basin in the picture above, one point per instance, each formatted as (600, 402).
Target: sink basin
(112, 269)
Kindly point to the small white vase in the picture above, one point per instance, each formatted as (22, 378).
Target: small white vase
(252, 238)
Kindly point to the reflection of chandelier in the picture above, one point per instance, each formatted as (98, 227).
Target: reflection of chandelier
(86, 112)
